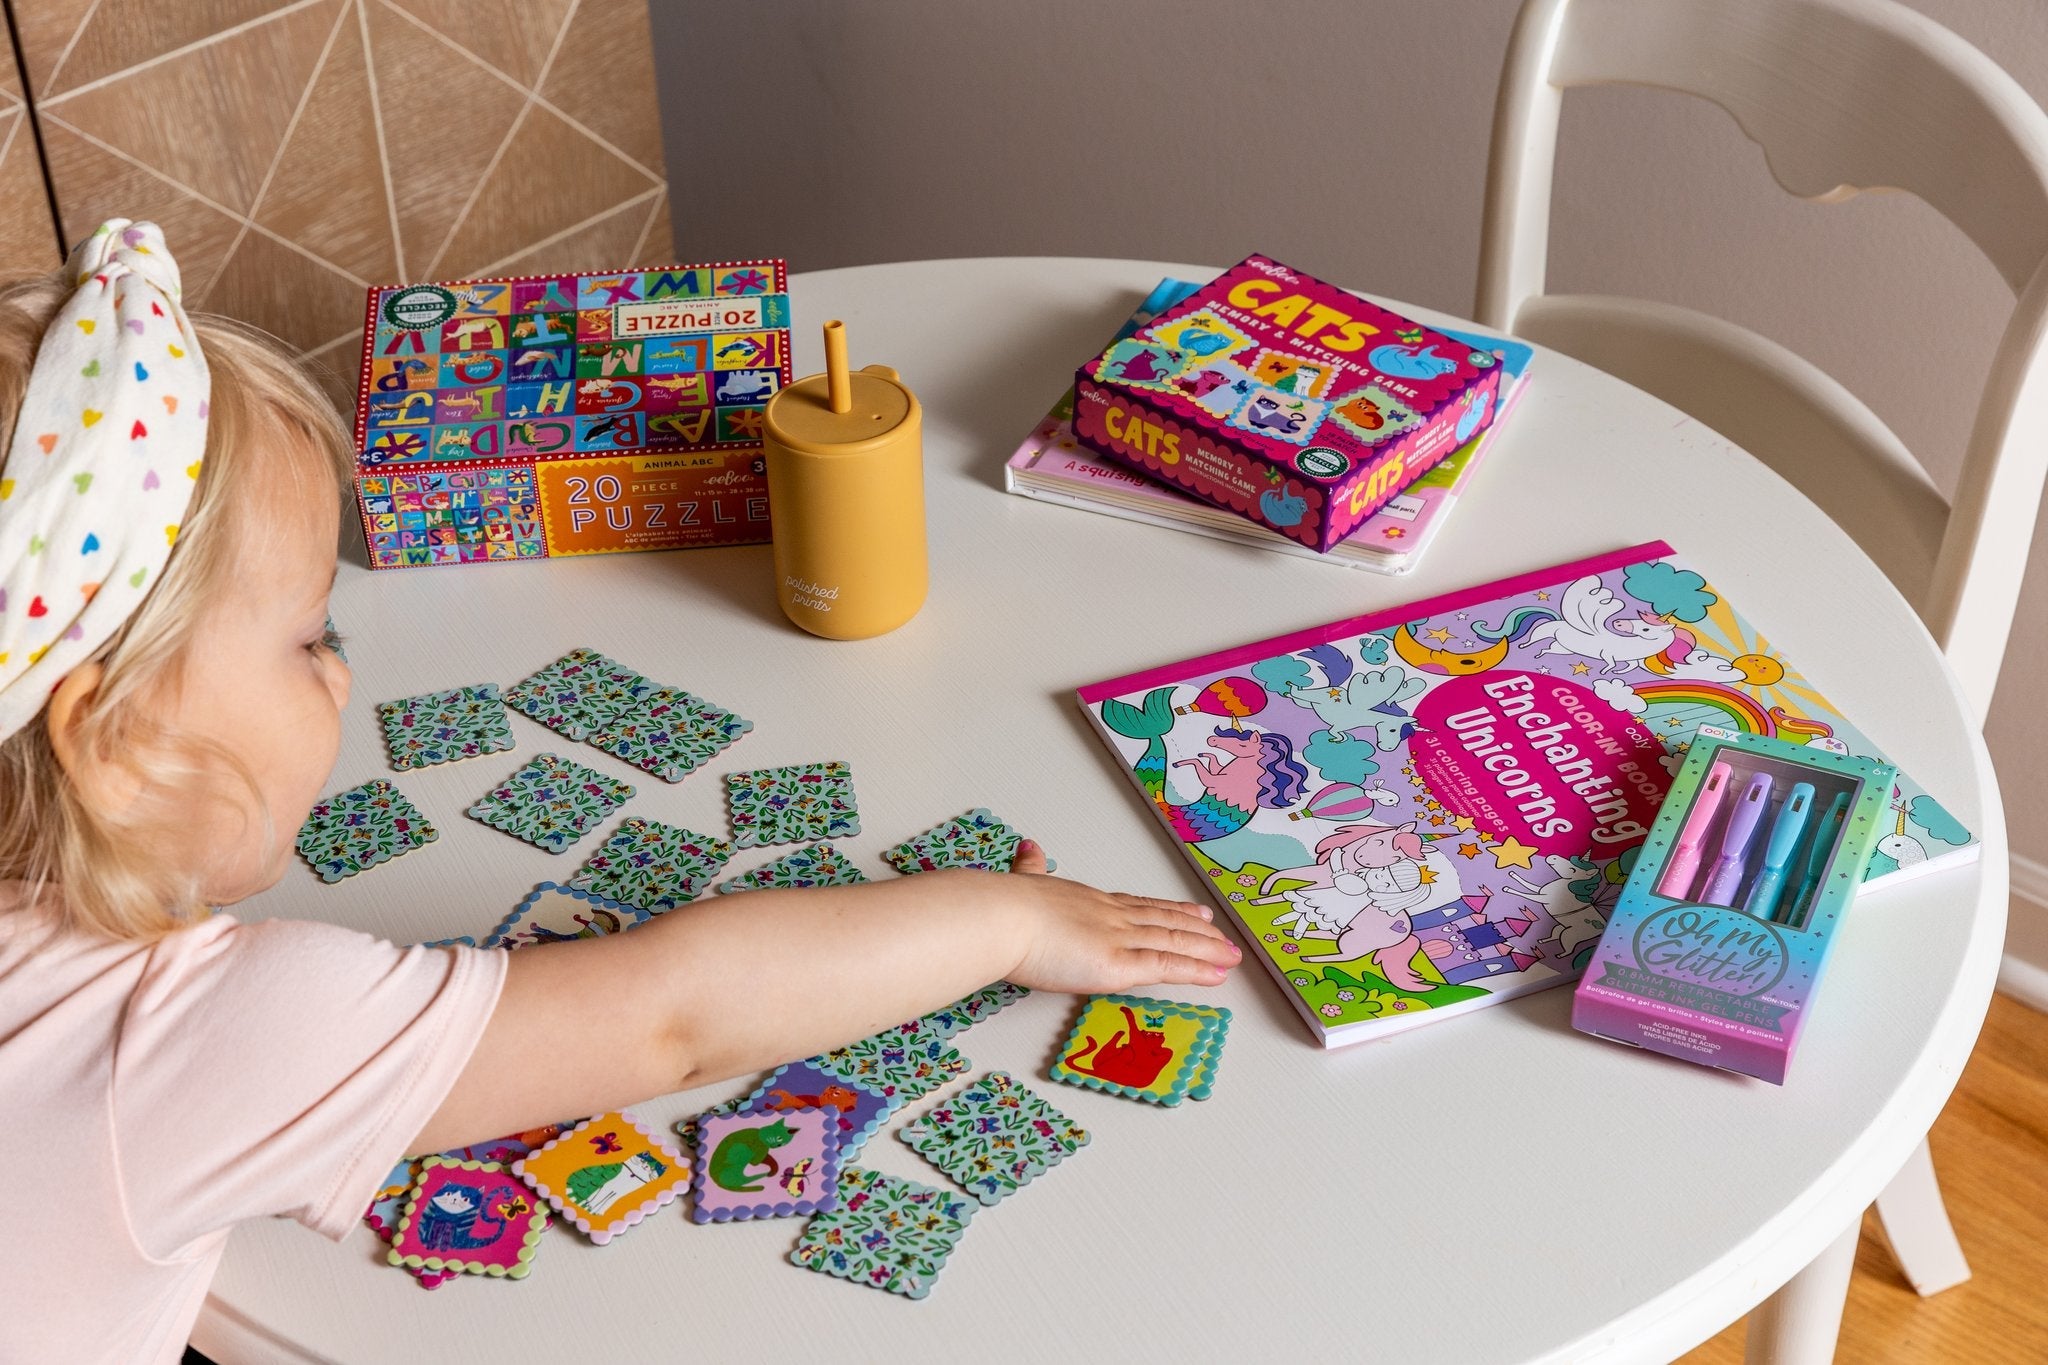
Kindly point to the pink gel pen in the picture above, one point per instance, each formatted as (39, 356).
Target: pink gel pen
(1742, 821)
(1685, 854)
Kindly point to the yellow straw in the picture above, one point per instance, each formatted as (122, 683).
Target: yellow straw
(839, 382)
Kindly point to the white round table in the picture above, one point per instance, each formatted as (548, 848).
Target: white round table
(1493, 1188)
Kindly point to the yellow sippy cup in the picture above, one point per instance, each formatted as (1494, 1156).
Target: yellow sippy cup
(845, 452)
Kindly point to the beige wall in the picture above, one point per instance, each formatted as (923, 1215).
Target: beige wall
(1349, 137)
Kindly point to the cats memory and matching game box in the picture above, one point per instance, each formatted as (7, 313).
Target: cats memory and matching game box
(1427, 809)
(540, 415)
(1288, 401)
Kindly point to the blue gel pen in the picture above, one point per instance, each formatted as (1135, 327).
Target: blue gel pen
(1817, 859)
(1784, 840)
(1742, 821)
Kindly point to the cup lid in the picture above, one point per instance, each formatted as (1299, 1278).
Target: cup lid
(801, 415)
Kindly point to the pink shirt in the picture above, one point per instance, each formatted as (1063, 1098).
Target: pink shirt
(157, 1094)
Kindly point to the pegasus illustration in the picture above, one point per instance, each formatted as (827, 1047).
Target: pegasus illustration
(1587, 627)
(1261, 770)
(1369, 701)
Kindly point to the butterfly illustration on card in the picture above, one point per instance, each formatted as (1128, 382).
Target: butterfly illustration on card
(798, 1177)
(515, 1207)
(606, 1143)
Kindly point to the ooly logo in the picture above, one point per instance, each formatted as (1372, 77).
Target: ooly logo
(1321, 462)
(418, 307)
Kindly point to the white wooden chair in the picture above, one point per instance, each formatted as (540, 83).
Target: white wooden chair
(1843, 96)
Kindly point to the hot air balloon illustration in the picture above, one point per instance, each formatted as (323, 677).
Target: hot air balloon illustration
(1232, 698)
(1344, 801)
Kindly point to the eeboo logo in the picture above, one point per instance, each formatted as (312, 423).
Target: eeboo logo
(1322, 462)
(418, 307)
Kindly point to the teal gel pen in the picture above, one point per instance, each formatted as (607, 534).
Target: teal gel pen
(1785, 832)
(1817, 859)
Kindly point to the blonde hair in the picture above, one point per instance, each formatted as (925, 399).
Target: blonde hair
(112, 884)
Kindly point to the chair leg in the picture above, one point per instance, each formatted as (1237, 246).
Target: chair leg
(1798, 1324)
(1916, 1224)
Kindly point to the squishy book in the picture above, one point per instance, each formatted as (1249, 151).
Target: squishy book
(1420, 811)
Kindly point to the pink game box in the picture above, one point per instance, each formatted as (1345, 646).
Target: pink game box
(1285, 400)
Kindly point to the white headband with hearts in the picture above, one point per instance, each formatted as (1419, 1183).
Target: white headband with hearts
(106, 454)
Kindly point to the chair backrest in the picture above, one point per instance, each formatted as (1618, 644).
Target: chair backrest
(1843, 96)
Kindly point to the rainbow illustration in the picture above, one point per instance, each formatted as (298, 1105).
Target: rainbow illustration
(1679, 706)
(1729, 707)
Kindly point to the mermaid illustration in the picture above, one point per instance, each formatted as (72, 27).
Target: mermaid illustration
(1260, 770)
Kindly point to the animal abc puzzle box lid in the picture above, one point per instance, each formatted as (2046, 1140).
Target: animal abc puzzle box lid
(529, 416)
(662, 358)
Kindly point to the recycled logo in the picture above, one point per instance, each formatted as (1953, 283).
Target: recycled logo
(419, 307)
(1321, 462)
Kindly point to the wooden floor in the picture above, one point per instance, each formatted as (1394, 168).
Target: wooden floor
(1991, 1150)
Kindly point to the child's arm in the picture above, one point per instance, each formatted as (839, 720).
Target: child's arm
(742, 983)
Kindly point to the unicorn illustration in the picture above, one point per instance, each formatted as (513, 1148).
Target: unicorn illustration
(1261, 770)
(1579, 920)
(1587, 626)
(1360, 890)
(1359, 866)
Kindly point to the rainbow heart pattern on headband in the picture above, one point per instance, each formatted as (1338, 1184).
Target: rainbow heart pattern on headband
(102, 400)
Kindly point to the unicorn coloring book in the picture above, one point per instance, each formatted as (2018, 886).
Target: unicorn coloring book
(1421, 811)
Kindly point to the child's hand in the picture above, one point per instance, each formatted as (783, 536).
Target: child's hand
(1083, 940)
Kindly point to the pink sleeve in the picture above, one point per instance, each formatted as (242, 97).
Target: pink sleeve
(281, 1068)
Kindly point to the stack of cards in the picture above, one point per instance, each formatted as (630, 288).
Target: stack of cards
(861, 1109)
(605, 1174)
(441, 727)
(912, 1060)
(653, 866)
(976, 839)
(389, 1205)
(972, 1009)
(467, 1218)
(670, 733)
(769, 1164)
(866, 1081)
(662, 730)
(1160, 1051)
(888, 1234)
(792, 805)
(818, 865)
(360, 828)
(579, 692)
(994, 1136)
(551, 802)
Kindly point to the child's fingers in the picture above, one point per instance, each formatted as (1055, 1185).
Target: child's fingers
(1151, 966)
(1174, 917)
(1177, 941)
(1155, 903)
(1029, 857)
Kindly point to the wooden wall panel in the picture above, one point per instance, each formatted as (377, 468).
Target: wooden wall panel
(28, 238)
(298, 152)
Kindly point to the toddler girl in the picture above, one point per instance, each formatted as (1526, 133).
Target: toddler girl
(170, 707)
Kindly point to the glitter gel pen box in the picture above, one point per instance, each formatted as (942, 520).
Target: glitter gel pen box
(1715, 949)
